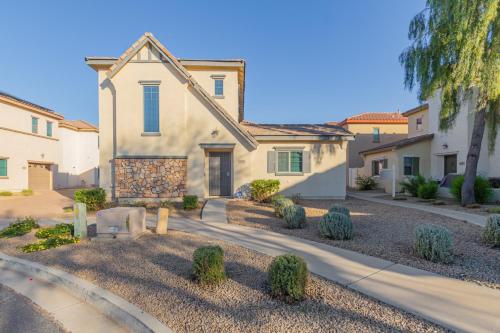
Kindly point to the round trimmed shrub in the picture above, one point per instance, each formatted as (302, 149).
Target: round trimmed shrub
(428, 190)
(340, 209)
(336, 225)
(280, 204)
(482, 189)
(294, 216)
(434, 243)
(492, 230)
(287, 276)
(208, 264)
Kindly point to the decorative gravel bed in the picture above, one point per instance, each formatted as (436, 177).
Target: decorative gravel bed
(154, 273)
(386, 232)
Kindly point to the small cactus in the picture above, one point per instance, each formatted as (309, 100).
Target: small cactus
(294, 216)
(336, 225)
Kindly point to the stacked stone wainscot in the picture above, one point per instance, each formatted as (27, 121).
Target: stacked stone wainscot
(150, 177)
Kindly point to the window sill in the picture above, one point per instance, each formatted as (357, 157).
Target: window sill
(151, 134)
(4, 177)
(289, 174)
(218, 96)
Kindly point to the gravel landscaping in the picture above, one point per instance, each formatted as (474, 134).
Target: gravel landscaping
(386, 232)
(154, 273)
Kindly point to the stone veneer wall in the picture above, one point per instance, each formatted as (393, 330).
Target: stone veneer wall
(147, 177)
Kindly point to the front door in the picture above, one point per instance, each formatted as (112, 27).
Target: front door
(450, 164)
(219, 173)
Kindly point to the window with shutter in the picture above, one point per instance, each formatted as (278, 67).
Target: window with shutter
(290, 161)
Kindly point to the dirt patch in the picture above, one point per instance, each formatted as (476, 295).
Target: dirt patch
(386, 232)
(154, 273)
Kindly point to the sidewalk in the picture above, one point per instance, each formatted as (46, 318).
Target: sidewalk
(455, 304)
(214, 211)
(461, 216)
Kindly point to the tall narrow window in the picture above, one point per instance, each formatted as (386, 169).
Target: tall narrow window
(376, 134)
(3, 167)
(219, 87)
(49, 128)
(151, 109)
(34, 125)
(418, 126)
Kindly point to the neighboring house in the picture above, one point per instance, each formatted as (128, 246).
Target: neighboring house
(429, 151)
(170, 127)
(34, 148)
(371, 129)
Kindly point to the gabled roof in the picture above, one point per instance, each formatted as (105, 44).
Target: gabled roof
(306, 131)
(419, 108)
(78, 125)
(149, 38)
(375, 118)
(11, 99)
(398, 144)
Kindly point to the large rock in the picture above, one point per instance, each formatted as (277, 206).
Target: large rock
(121, 222)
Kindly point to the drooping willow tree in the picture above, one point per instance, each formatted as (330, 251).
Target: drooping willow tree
(455, 51)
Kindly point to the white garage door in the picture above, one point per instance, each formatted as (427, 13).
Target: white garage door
(39, 176)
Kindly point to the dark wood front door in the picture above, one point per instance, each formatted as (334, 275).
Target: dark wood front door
(219, 173)
(450, 164)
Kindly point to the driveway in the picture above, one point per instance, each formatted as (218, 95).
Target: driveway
(40, 204)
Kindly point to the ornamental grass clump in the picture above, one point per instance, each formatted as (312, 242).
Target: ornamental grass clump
(19, 228)
(434, 243)
(287, 276)
(340, 209)
(294, 216)
(336, 226)
(492, 230)
(280, 204)
(208, 265)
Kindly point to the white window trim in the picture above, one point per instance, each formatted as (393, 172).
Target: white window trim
(288, 150)
(37, 125)
(218, 77)
(150, 83)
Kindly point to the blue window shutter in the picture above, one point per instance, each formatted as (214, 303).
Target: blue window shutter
(151, 109)
(3, 168)
(306, 161)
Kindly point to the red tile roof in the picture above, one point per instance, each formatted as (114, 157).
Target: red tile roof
(375, 118)
(78, 125)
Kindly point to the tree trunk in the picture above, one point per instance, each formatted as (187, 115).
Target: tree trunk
(468, 196)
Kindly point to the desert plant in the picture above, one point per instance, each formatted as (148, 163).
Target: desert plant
(296, 197)
(27, 192)
(428, 190)
(5, 193)
(411, 184)
(287, 276)
(280, 204)
(294, 216)
(208, 264)
(63, 229)
(366, 183)
(93, 198)
(190, 202)
(492, 230)
(263, 189)
(494, 210)
(340, 209)
(19, 228)
(482, 189)
(48, 243)
(335, 225)
(434, 243)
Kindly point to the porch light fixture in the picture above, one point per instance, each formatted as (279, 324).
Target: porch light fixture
(445, 146)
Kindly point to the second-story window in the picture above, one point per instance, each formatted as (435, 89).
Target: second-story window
(419, 124)
(219, 87)
(34, 125)
(151, 109)
(49, 128)
(376, 134)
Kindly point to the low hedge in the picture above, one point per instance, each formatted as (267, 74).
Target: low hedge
(482, 189)
(93, 198)
(263, 189)
(428, 190)
(287, 276)
(190, 202)
(208, 265)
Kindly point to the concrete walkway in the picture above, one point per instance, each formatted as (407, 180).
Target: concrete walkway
(214, 211)
(455, 304)
(457, 215)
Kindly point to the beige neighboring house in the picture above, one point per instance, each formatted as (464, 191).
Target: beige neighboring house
(39, 148)
(171, 127)
(429, 151)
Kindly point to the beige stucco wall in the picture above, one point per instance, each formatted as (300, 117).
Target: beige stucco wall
(412, 123)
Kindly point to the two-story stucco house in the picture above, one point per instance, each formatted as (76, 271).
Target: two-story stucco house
(170, 127)
(38, 148)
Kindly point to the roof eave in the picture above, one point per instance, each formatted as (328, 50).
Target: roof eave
(304, 137)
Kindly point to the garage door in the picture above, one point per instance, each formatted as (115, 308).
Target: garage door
(39, 176)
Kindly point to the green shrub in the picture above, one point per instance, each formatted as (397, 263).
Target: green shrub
(49, 243)
(294, 216)
(296, 197)
(366, 183)
(263, 189)
(287, 276)
(93, 198)
(340, 209)
(428, 190)
(492, 230)
(412, 184)
(335, 225)
(190, 202)
(62, 229)
(19, 228)
(208, 265)
(280, 204)
(494, 210)
(5, 193)
(482, 189)
(27, 192)
(434, 243)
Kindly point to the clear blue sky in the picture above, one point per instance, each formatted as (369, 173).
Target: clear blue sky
(307, 61)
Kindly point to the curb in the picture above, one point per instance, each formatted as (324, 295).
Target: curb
(106, 302)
